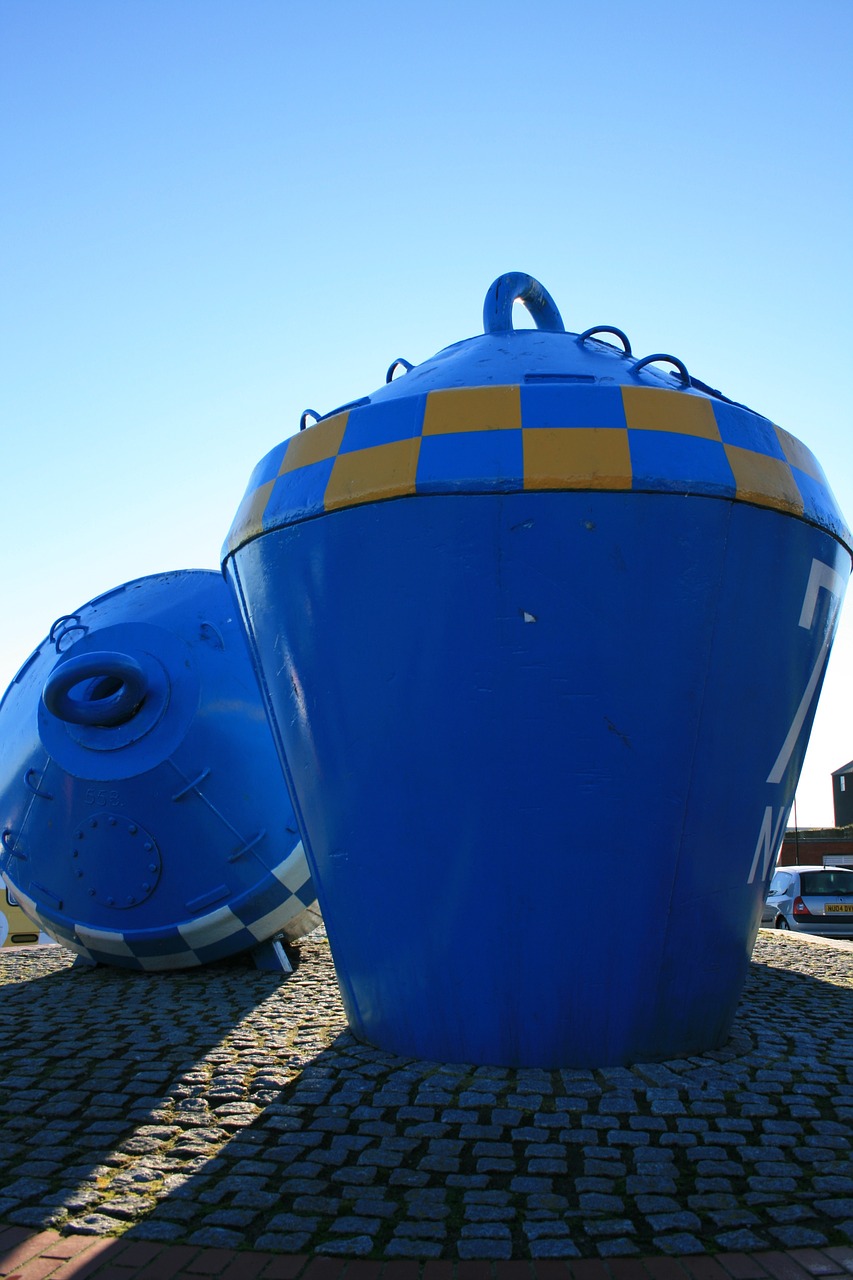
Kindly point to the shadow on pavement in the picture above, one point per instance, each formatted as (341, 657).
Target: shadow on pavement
(229, 1107)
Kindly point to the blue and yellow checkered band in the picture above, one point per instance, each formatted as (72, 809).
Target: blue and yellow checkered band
(506, 439)
(238, 925)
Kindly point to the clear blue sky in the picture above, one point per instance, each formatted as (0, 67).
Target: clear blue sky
(216, 214)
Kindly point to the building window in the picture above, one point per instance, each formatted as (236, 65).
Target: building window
(843, 782)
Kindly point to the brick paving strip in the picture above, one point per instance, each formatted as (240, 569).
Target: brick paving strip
(46, 1255)
(224, 1122)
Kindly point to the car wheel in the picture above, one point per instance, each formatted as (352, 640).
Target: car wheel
(781, 923)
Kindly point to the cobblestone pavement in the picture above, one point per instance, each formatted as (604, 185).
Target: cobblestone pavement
(230, 1108)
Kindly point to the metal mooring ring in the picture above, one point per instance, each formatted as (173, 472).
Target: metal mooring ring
(66, 626)
(515, 286)
(679, 364)
(116, 689)
(399, 363)
(606, 328)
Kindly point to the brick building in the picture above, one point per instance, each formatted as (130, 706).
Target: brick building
(804, 846)
(842, 795)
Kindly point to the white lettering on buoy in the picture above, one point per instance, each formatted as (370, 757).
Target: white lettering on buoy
(772, 829)
(820, 575)
(769, 839)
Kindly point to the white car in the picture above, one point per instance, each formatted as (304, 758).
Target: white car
(813, 899)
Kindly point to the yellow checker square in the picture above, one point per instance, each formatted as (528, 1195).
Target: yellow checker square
(249, 520)
(472, 409)
(647, 409)
(799, 456)
(314, 444)
(576, 458)
(368, 475)
(766, 481)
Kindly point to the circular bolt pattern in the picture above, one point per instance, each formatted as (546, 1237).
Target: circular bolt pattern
(119, 861)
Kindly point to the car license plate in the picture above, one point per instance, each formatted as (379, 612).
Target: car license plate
(838, 906)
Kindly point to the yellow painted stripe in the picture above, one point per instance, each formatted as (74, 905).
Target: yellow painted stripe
(367, 475)
(249, 520)
(576, 458)
(648, 409)
(472, 409)
(315, 444)
(763, 480)
(799, 456)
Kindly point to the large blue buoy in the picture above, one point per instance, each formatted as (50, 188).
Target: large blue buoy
(145, 819)
(541, 627)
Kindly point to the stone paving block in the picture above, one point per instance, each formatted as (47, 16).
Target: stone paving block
(484, 1231)
(531, 1185)
(403, 1248)
(679, 1242)
(485, 1248)
(841, 1207)
(553, 1247)
(374, 1208)
(349, 1247)
(419, 1230)
(551, 1228)
(797, 1237)
(597, 1202)
(354, 1225)
(609, 1227)
(680, 1220)
(283, 1241)
(619, 1248)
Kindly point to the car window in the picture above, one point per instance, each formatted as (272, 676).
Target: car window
(779, 883)
(830, 880)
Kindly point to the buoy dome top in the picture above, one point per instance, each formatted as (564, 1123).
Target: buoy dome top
(535, 409)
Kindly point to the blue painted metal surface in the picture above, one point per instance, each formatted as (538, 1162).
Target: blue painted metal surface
(145, 820)
(542, 631)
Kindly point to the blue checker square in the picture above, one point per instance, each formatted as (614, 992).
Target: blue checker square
(664, 460)
(226, 947)
(59, 929)
(471, 460)
(558, 405)
(268, 467)
(817, 499)
(150, 943)
(298, 494)
(260, 900)
(383, 423)
(747, 430)
(55, 922)
(306, 893)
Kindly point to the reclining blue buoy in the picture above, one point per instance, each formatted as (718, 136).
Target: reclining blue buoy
(145, 819)
(541, 629)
